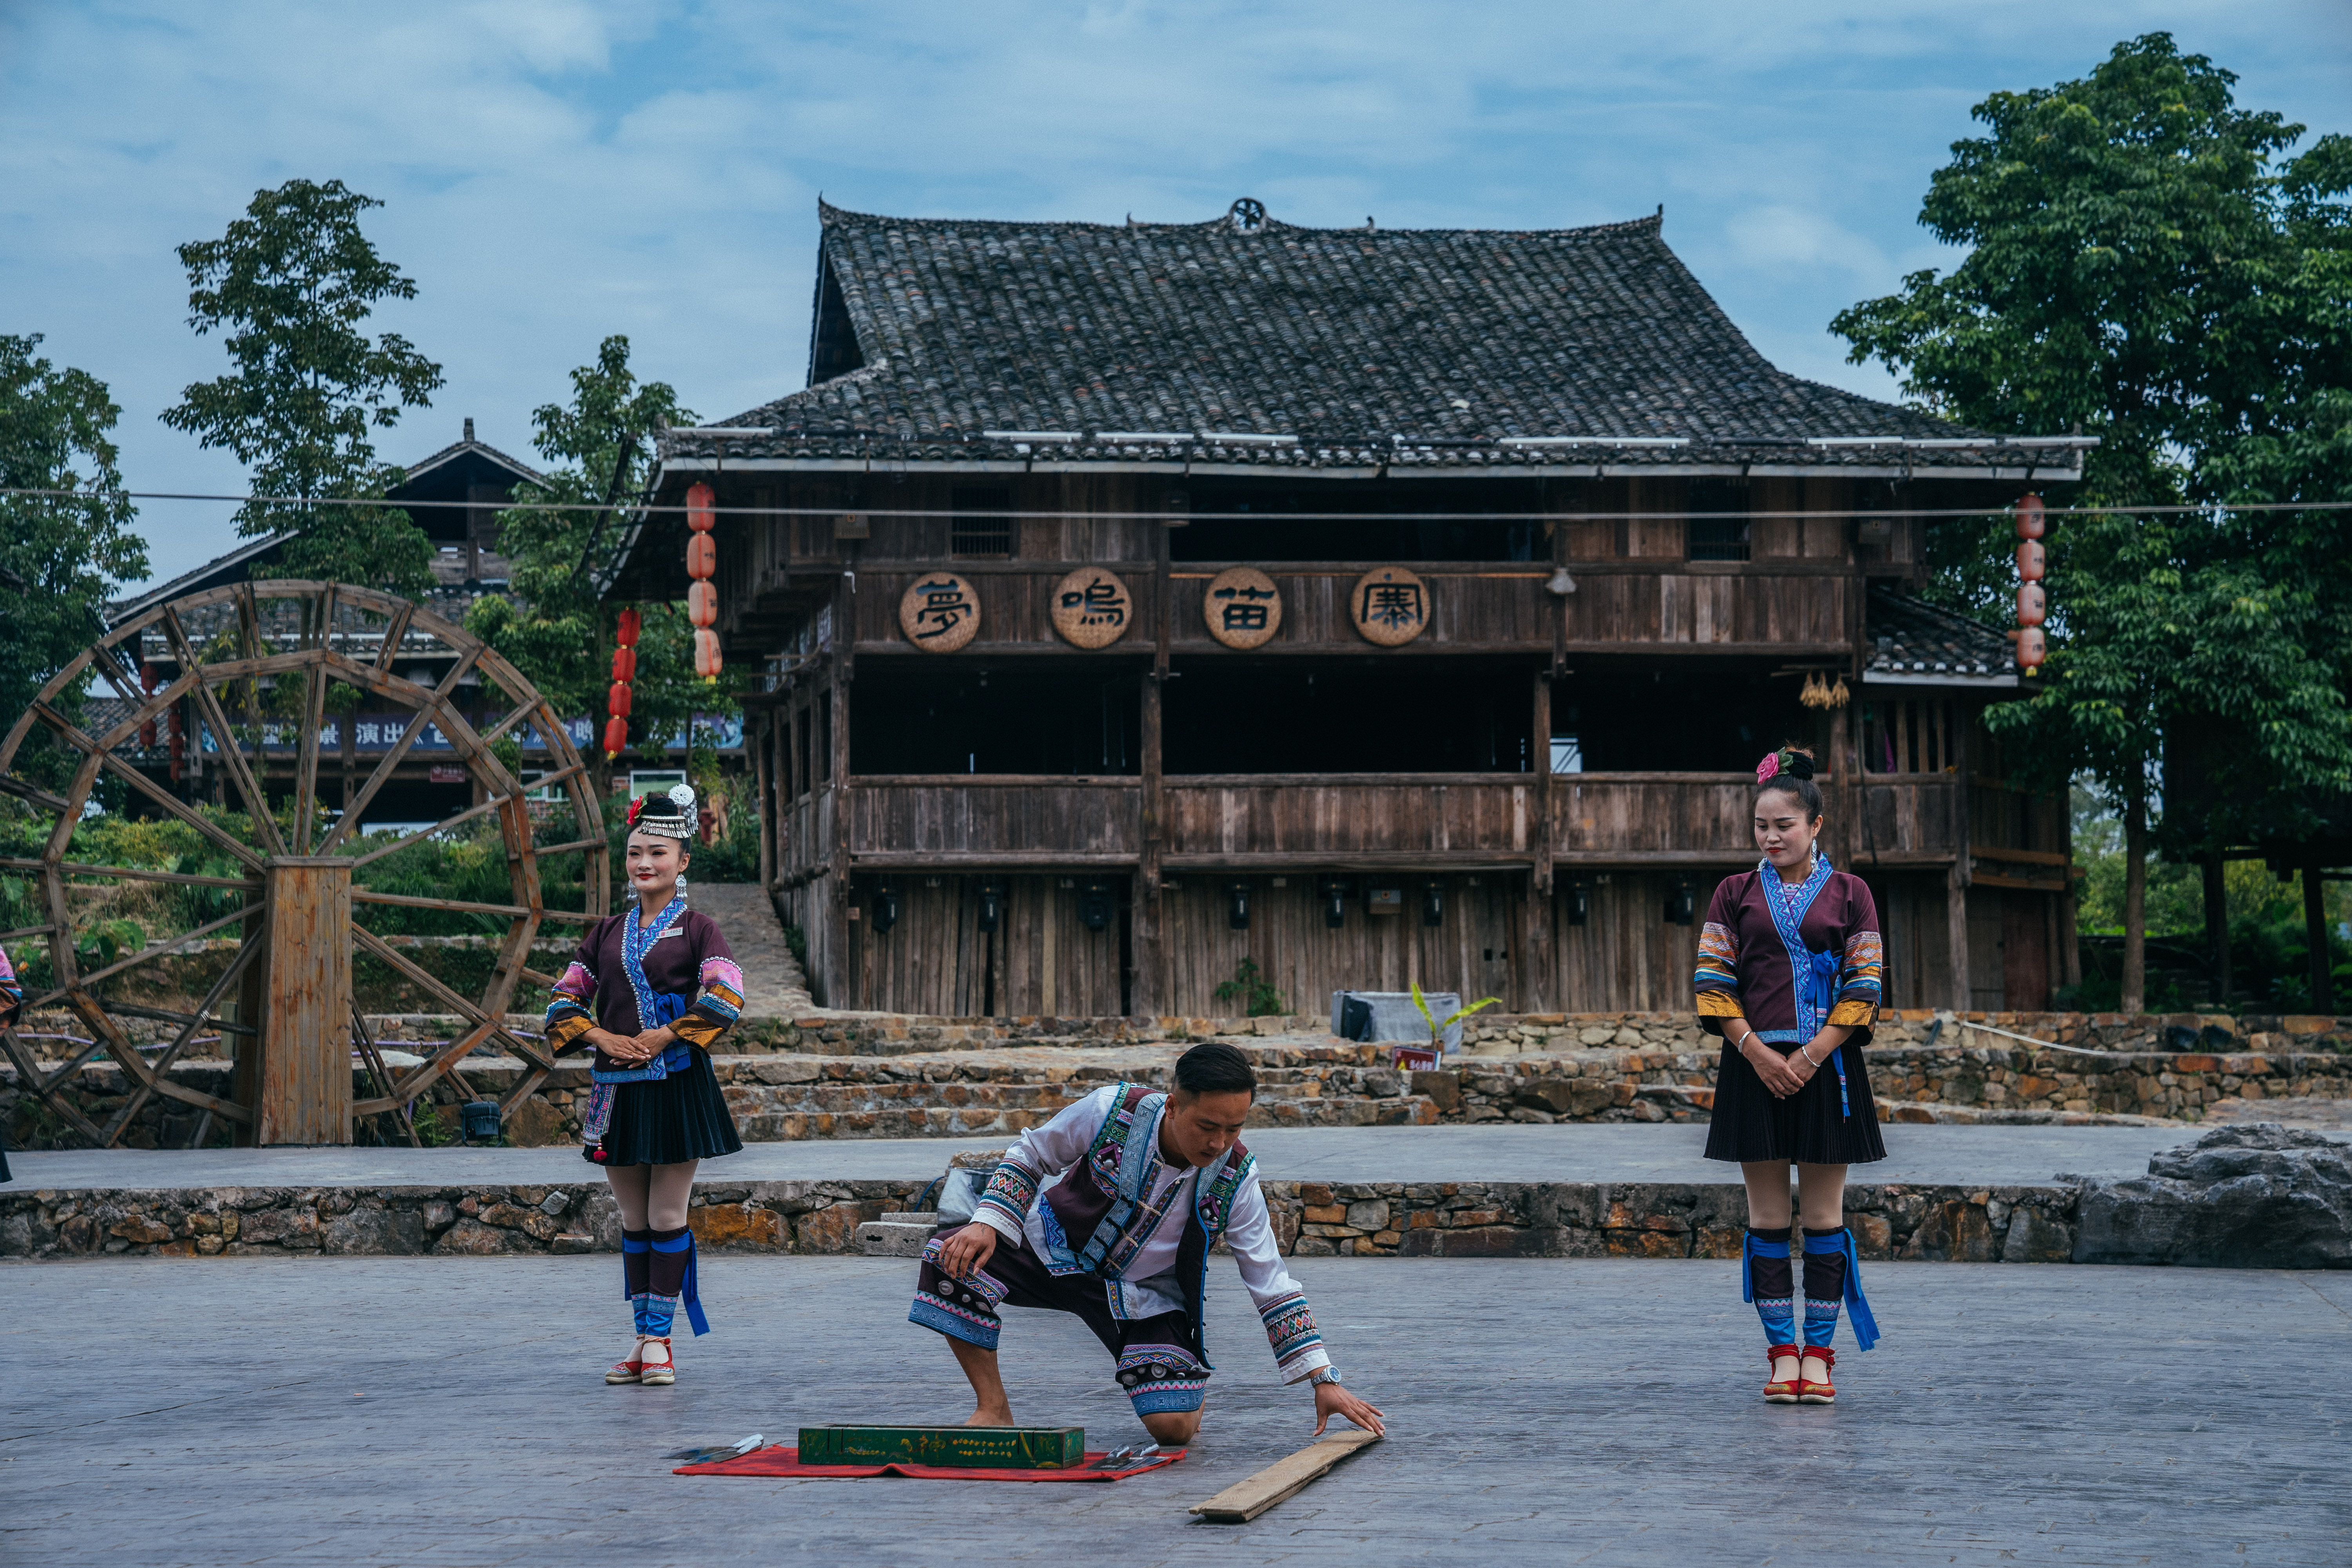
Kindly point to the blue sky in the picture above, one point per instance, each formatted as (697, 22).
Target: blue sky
(557, 170)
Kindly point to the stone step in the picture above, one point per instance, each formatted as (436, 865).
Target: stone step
(901, 1235)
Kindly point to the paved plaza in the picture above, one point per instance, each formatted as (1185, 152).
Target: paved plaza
(451, 1411)
(1583, 1151)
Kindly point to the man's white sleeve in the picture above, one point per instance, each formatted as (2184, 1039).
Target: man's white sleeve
(1036, 1158)
(1281, 1305)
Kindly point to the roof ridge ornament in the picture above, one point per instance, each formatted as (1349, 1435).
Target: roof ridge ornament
(1247, 216)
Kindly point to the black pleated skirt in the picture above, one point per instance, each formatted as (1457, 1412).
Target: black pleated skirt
(1750, 1124)
(670, 1120)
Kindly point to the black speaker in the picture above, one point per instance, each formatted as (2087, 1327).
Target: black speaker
(1433, 905)
(1095, 906)
(991, 905)
(885, 909)
(1680, 904)
(1237, 911)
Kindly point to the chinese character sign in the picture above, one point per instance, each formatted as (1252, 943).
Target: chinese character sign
(1243, 607)
(1389, 607)
(1092, 607)
(939, 612)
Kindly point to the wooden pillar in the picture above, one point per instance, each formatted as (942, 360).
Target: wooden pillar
(2315, 926)
(844, 632)
(1956, 895)
(1542, 982)
(1148, 997)
(302, 1072)
(763, 795)
(2216, 925)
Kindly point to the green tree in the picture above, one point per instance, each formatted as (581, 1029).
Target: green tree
(60, 556)
(292, 285)
(554, 626)
(2144, 265)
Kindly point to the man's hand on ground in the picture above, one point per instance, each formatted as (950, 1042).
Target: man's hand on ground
(967, 1250)
(1330, 1400)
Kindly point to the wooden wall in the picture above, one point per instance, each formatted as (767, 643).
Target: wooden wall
(1040, 962)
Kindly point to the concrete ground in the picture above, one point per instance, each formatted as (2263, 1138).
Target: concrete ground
(452, 1412)
(1601, 1151)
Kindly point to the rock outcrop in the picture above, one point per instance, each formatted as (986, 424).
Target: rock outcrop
(2251, 1196)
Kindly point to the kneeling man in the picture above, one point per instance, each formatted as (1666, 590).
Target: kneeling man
(1108, 1210)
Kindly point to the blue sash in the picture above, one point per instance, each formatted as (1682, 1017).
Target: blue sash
(1814, 975)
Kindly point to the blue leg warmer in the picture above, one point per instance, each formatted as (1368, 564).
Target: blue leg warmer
(1765, 1279)
(1833, 1279)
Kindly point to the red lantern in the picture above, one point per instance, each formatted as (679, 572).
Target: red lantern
(2030, 522)
(616, 701)
(2030, 562)
(179, 743)
(147, 685)
(616, 736)
(707, 662)
(627, 634)
(698, 498)
(2032, 604)
(702, 605)
(701, 556)
(625, 664)
(2030, 648)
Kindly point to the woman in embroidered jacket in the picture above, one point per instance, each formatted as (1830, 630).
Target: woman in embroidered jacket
(1789, 975)
(650, 989)
(1108, 1211)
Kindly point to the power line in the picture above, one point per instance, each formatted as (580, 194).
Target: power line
(1568, 515)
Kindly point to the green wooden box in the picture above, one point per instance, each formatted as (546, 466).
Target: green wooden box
(966, 1448)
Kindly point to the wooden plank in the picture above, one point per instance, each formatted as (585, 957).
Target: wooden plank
(959, 1447)
(305, 1085)
(1285, 1479)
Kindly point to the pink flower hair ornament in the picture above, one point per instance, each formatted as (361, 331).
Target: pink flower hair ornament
(1768, 769)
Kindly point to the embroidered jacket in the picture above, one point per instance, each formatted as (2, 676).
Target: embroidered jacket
(691, 980)
(12, 994)
(1091, 1193)
(1790, 958)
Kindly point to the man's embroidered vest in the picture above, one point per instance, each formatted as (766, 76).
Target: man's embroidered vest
(1105, 1225)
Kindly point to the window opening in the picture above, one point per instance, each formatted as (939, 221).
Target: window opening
(1566, 755)
(977, 535)
(1718, 538)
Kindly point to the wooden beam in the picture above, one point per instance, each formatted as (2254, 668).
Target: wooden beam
(1283, 1479)
(78, 869)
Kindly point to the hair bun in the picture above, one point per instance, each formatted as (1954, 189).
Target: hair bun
(1797, 764)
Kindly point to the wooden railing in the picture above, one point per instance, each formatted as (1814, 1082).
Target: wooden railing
(1434, 819)
(915, 819)
(1320, 820)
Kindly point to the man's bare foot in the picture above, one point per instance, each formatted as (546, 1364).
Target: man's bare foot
(984, 1417)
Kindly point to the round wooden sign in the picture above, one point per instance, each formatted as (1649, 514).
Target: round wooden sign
(1092, 607)
(1243, 607)
(1389, 605)
(939, 612)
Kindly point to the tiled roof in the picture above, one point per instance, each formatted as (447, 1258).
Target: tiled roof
(1426, 348)
(1914, 642)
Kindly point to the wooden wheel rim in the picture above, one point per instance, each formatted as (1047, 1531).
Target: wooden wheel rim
(320, 651)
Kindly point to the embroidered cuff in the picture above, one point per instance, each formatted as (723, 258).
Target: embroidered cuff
(565, 1027)
(1718, 1003)
(699, 1027)
(994, 1217)
(1855, 1014)
(1290, 1332)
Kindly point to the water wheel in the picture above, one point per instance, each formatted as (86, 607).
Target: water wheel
(253, 665)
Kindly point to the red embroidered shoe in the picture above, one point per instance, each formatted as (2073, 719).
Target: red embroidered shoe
(657, 1373)
(626, 1372)
(1782, 1387)
(1816, 1391)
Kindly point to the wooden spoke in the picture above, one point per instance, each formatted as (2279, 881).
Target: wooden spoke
(256, 803)
(544, 850)
(145, 785)
(394, 956)
(393, 635)
(386, 1105)
(28, 1073)
(392, 759)
(166, 1016)
(129, 873)
(314, 708)
(544, 981)
(422, 1078)
(443, 825)
(159, 1070)
(460, 906)
(27, 931)
(146, 956)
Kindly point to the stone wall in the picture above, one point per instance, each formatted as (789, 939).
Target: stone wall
(1465, 1219)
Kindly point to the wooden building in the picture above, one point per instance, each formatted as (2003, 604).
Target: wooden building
(1372, 605)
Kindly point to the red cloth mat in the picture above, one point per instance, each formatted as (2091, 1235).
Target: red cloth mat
(779, 1459)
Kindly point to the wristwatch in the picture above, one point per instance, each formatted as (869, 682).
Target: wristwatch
(1323, 1375)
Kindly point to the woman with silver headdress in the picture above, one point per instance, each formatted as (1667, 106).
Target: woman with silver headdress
(649, 991)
